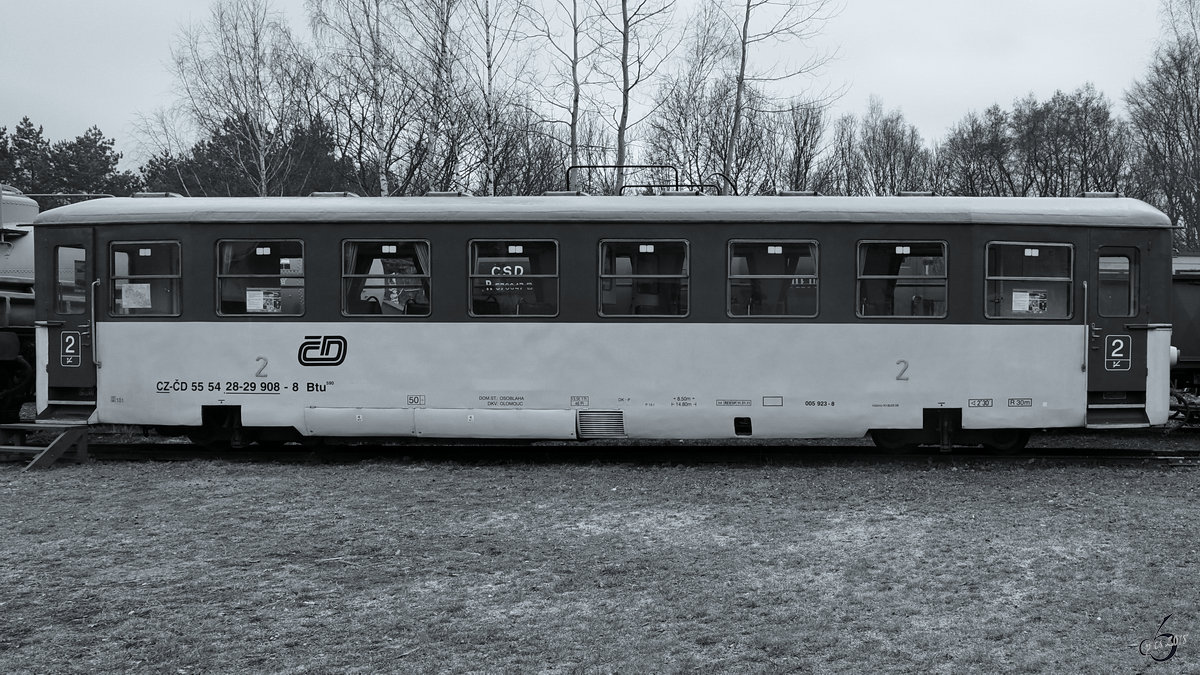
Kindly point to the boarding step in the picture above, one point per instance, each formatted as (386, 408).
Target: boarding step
(66, 412)
(1117, 416)
(50, 443)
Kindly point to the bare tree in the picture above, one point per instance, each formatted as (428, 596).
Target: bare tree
(840, 171)
(1100, 143)
(680, 134)
(690, 103)
(242, 71)
(1181, 19)
(1069, 144)
(777, 141)
(443, 118)
(566, 29)
(976, 156)
(369, 90)
(491, 36)
(595, 149)
(160, 136)
(530, 155)
(782, 27)
(964, 161)
(760, 146)
(893, 154)
(805, 126)
(638, 46)
(1165, 113)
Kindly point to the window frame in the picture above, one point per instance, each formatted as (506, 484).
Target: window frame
(113, 278)
(988, 278)
(219, 277)
(859, 263)
(814, 247)
(427, 276)
(472, 260)
(685, 276)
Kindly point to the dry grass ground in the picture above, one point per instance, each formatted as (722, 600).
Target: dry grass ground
(203, 566)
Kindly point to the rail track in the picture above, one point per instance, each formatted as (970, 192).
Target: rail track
(1177, 448)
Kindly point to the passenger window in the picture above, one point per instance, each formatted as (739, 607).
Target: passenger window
(145, 278)
(385, 278)
(70, 280)
(772, 278)
(260, 277)
(1028, 281)
(1118, 287)
(514, 278)
(644, 278)
(902, 279)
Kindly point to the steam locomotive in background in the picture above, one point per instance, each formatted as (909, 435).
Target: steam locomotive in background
(17, 213)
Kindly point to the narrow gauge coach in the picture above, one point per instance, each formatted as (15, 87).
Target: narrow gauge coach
(917, 319)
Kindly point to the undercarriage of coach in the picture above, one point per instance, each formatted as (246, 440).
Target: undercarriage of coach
(943, 429)
(1185, 393)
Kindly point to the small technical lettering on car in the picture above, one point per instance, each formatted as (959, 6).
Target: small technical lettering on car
(322, 350)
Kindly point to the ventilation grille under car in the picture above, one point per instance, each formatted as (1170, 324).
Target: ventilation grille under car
(601, 424)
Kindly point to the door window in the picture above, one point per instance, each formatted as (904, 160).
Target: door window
(1118, 288)
(70, 280)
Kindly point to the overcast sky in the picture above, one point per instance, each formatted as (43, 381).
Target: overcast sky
(72, 64)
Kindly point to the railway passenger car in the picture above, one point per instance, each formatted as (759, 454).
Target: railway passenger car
(1185, 302)
(917, 319)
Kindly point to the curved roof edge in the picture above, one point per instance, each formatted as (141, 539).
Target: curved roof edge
(1064, 211)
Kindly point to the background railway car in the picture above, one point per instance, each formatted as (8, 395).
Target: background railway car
(917, 319)
(17, 213)
(1185, 302)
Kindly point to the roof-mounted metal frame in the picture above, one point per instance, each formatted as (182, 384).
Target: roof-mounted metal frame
(673, 169)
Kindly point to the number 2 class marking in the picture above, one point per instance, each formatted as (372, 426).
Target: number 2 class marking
(262, 370)
(69, 356)
(1117, 352)
(903, 375)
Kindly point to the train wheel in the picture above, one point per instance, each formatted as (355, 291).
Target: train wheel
(896, 441)
(1006, 440)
